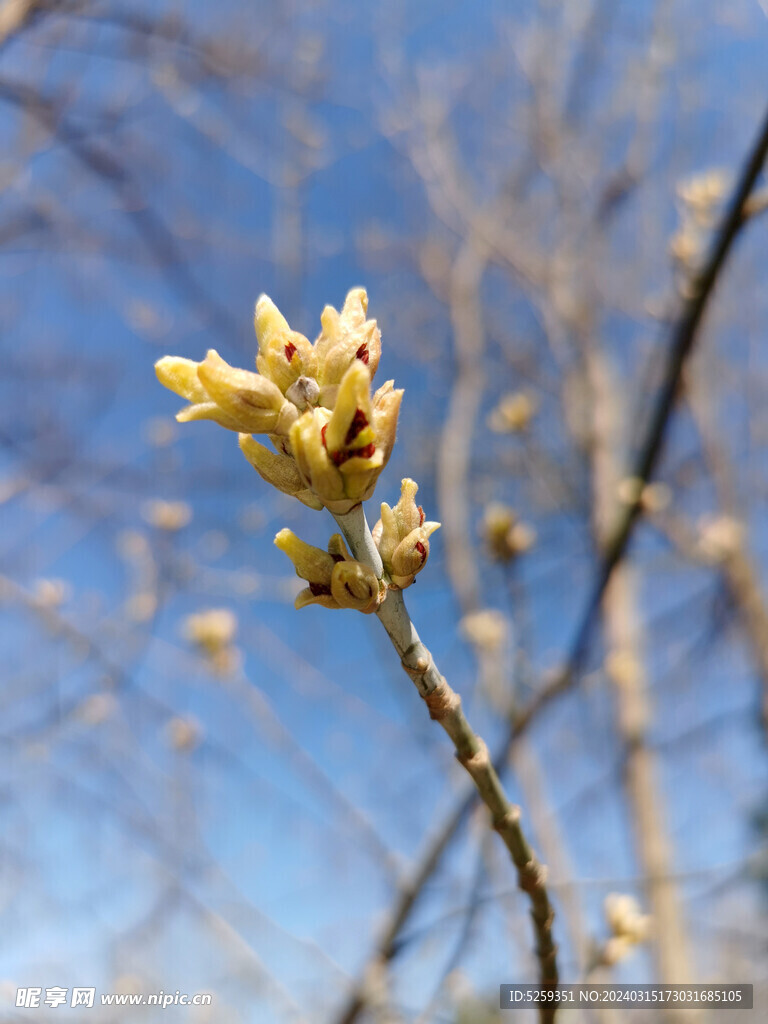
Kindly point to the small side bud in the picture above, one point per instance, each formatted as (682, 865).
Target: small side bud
(335, 580)
(355, 585)
(402, 537)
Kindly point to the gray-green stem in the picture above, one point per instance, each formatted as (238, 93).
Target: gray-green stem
(445, 707)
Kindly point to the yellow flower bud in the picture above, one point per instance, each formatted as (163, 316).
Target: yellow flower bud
(277, 469)
(411, 554)
(340, 454)
(250, 399)
(335, 580)
(268, 321)
(312, 564)
(345, 338)
(284, 355)
(350, 428)
(180, 376)
(354, 585)
(386, 409)
(317, 471)
(402, 537)
(235, 399)
(314, 403)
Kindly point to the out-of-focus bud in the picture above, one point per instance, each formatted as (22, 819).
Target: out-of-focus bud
(652, 497)
(279, 470)
(402, 537)
(335, 579)
(184, 733)
(97, 708)
(167, 515)
(51, 593)
(213, 632)
(656, 497)
(513, 414)
(703, 193)
(720, 537)
(485, 629)
(625, 919)
(345, 337)
(284, 355)
(505, 536)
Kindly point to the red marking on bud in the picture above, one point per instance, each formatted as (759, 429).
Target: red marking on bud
(290, 351)
(422, 517)
(337, 458)
(363, 354)
(319, 588)
(359, 422)
(422, 551)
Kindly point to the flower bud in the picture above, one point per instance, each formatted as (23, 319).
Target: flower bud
(350, 429)
(284, 355)
(402, 537)
(386, 409)
(180, 376)
(235, 399)
(313, 565)
(513, 414)
(314, 403)
(411, 554)
(318, 472)
(340, 454)
(248, 398)
(277, 469)
(625, 919)
(346, 337)
(505, 536)
(335, 579)
(354, 585)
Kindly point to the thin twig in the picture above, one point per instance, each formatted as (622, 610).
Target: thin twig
(444, 706)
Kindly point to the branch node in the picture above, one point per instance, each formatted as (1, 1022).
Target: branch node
(510, 819)
(532, 876)
(476, 761)
(442, 701)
